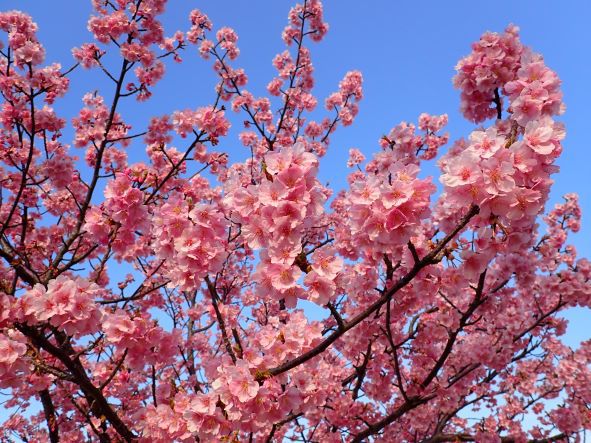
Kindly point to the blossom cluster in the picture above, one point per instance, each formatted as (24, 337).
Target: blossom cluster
(211, 121)
(403, 144)
(22, 38)
(493, 62)
(275, 216)
(67, 303)
(122, 212)
(311, 10)
(505, 169)
(535, 91)
(12, 363)
(145, 342)
(191, 238)
(138, 29)
(345, 99)
(386, 205)
(385, 211)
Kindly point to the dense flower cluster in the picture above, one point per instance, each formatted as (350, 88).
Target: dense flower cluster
(66, 303)
(208, 120)
(144, 342)
(12, 363)
(505, 169)
(386, 205)
(122, 212)
(276, 216)
(535, 91)
(22, 38)
(191, 238)
(494, 62)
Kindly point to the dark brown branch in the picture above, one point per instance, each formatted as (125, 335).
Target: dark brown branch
(361, 371)
(413, 251)
(19, 269)
(103, 437)
(27, 165)
(277, 425)
(498, 105)
(136, 295)
(394, 352)
(50, 416)
(101, 407)
(431, 258)
(95, 175)
(440, 438)
(114, 371)
(154, 399)
(336, 315)
(292, 77)
(238, 342)
(409, 405)
(222, 324)
(452, 336)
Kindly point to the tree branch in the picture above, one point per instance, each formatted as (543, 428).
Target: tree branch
(50, 418)
(431, 258)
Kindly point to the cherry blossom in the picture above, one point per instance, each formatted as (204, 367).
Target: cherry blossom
(158, 286)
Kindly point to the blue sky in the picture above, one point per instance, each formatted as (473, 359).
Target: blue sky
(406, 51)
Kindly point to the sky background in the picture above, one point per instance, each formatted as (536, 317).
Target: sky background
(406, 51)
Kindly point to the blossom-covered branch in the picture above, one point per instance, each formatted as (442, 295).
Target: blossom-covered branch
(168, 298)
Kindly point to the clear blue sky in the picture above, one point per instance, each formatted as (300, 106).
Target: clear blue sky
(406, 51)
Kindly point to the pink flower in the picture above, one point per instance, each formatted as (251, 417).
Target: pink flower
(158, 131)
(486, 143)
(272, 193)
(11, 351)
(283, 276)
(135, 52)
(566, 420)
(119, 327)
(228, 38)
(538, 136)
(351, 84)
(60, 169)
(255, 233)
(525, 109)
(326, 263)
(201, 415)
(320, 289)
(355, 157)
(30, 52)
(87, 55)
(13, 365)
(525, 202)
(200, 23)
(498, 174)
(110, 26)
(395, 219)
(476, 262)
(397, 194)
(284, 251)
(212, 122)
(461, 170)
(241, 383)
(493, 62)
